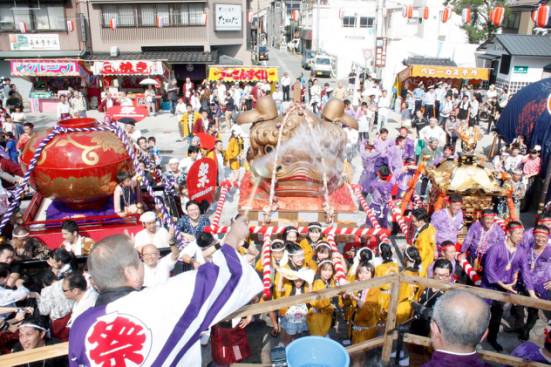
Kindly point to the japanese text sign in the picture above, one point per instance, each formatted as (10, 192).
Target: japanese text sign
(128, 67)
(245, 74)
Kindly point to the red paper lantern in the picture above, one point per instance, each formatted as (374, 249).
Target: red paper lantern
(542, 16)
(446, 14)
(407, 12)
(295, 15)
(23, 27)
(113, 23)
(426, 13)
(70, 25)
(497, 15)
(466, 15)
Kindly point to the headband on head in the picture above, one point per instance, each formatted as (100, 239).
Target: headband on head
(545, 220)
(292, 230)
(30, 324)
(364, 249)
(492, 215)
(408, 257)
(297, 252)
(277, 248)
(323, 262)
(26, 234)
(314, 226)
(514, 227)
(322, 244)
(541, 231)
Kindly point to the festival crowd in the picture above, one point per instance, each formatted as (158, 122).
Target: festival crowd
(39, 305)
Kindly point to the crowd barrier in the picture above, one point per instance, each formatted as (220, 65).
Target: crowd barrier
(385, 341)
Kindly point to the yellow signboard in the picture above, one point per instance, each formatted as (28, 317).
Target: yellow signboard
(449, 72)
(243, 73)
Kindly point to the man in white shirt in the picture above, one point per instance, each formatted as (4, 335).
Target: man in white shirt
(433, 131)
(8, 297)
(151, 234)
(286, 86)
(73, 241)
(156, 269)
(186, 163)
(75, 288)
(383, 106)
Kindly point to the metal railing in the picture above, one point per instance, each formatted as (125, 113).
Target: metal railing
(385, 341)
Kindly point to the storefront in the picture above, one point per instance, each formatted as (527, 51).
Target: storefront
(455, 76)
(50, 79)
(126, 75)
(244, 74)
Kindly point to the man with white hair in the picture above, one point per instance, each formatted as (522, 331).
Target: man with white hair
(433, 131)
(152, 234)
(459, 323)
(157, 270)
(122, 330)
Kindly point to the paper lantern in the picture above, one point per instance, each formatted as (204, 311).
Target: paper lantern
(70, 25)
(407, 12)
(23, 27)
(113, 23)
(426, 13)
(497, 16)
(295, 15)
(446, 14)
(466, 16)
(205, 17)
(542, 16)
(250, 17)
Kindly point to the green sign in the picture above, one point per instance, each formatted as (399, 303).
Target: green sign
(521, 69)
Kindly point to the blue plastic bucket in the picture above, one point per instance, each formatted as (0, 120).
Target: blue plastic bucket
(316, 351)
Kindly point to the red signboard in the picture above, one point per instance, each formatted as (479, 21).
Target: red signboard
(201, 180)
(128, 67)
(136, 112)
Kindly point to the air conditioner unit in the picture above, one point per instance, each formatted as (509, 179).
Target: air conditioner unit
(114, 51)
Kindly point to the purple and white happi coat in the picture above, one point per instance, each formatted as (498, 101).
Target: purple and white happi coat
(161, 325)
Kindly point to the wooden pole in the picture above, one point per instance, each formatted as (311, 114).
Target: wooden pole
(391, 320)
(545, 188)
(34, 355)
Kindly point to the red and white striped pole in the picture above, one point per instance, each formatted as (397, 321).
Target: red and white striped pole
(267, 267)
(340, 275)
(469, 270)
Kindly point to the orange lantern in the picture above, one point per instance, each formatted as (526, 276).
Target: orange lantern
(113, 23)
(542, 16)
(407, 12)
(466, 16)
(446, 14)
(426, 13)
(496, 17)
(295, 15)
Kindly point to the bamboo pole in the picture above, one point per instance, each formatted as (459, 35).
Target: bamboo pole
(34, 355)
(390, 326)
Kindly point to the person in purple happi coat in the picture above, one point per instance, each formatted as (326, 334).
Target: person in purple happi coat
(409, 148)
(532, 352)
(529, 234)
(395, 156)
(504, 264)
(459, 323)
(380, 191)
(482, 235)
(448, 221)
(369, 155)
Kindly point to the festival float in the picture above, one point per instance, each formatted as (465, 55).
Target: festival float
(72, 169)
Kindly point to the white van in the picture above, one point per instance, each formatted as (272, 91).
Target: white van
(322, 66)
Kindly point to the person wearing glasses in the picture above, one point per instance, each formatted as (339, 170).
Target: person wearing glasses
(459, 323)
(75, 288)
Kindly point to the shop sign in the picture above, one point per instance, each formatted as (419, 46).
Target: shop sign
(228, 17)
(520, 69)
(136, 112)
(128, 67)
(34, 42)
(201, 184)
(453, 72)
(44, 68)
(243, 74)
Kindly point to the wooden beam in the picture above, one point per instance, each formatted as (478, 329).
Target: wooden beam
(34, 355)
(258, 308)
(391, 320)
(482, 292)
(484, 354)
(365, 345)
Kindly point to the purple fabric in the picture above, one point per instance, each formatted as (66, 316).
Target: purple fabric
(236, 271)
(403, 181)
(77, 336)
(205, 280)
(447, 227)
(442, 359)
(383, 145)
(530, 352)
(368, 173)
(475, 234)
(380, 192)
(395, 160)
(58, 210)
(409, 149)
(495, 267)
(528, 238)
(541, 271)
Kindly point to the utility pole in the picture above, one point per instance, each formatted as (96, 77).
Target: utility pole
(379, 12)
(318, 3)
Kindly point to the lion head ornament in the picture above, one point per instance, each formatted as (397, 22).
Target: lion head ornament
(311, 150)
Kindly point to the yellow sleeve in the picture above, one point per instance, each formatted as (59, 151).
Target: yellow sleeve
(287, 288)
(258, 266)
(307, 248)
(426, 245)
(184, 127)
(232, 151)
(320, 304)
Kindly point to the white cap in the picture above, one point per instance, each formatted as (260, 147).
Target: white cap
(148, 217)
(173, 161)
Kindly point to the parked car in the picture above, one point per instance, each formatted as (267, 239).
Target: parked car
(322, 66)
(307, 59)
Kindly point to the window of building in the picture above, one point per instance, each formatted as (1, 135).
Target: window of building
(349, 22)
(511, 21)
(505, 64)
(35, 17)
(148, 15)
(366, 22)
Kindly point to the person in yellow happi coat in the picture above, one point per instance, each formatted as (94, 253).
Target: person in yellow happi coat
(386, 268)
(311, 240)
(188, 120)
(424, 240)
(367, 311)
(320, 315)
(408, 292)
